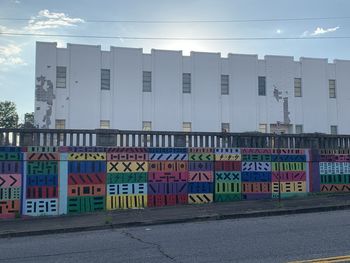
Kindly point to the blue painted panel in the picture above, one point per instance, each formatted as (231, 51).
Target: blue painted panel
(42, 180)
(256, 176)
(200, 187)
(288, 158)
(86, 167)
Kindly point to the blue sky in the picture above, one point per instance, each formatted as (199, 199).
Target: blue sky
(17, 53)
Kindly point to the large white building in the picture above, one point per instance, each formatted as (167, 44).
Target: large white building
(84, 87)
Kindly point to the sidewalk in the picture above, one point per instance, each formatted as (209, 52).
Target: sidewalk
(168, 215)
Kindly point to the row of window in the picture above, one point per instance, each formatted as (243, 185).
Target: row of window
(187, 126)
(61, 76)
(297, 87)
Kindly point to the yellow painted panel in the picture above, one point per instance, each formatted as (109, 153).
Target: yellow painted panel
(87, 156)
(127, 167)
(228, 157)
(288, 166)
(200, 198)
(290, 187)
(126, 201)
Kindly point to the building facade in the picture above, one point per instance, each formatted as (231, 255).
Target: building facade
(84, 87)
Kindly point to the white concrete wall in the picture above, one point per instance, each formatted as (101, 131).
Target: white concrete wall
(126, 88)
(84, 86)
(206, 91)
(83, 104)
(243, 106)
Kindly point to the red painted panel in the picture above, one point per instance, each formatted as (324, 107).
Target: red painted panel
(228, 166)
(87, 190)
(200, 176)
(168, 166)
(9, 208)
(289, 176)
(89, 178)
(167, 177)
(42, 192)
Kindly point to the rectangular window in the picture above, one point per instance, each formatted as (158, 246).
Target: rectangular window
(104, 124)
(225, 127)
(105, 79)
(61, 76)
(298, 128)
(60, 124)
(187, 126)
(186, 82)
(146, 125)
(334, 129)
(297, 87)
(147, 81)
(332, 88)
(263, 127)
(262, 86)
(225, 85)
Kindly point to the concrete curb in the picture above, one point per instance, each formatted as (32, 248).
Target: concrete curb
(265, 213)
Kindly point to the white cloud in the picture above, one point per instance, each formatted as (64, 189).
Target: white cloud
(321, 30)
(10, 56)
(47, 20)
(279, 31)
(305, 34)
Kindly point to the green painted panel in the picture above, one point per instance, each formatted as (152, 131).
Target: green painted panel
(83, 204)
(228, 188)
(335, 178)
(10, 156)
(126, 178)
(256, 158)
(289, 195)
(226, 176)
(288, 166)
(42, 167)
(227, 197)
(201, 157)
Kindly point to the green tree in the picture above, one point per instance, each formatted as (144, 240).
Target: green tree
(28, 121)
(8, 115)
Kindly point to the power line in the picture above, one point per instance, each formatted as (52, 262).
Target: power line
(176, 38)
(193, 21)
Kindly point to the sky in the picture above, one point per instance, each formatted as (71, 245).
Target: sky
(68, 17)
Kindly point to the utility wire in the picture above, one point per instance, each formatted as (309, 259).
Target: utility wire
(176, 38)
(192, 21)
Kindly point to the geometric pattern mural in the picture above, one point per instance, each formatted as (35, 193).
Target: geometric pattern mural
(36, 181)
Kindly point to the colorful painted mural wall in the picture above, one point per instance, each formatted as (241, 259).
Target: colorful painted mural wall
(36, 181)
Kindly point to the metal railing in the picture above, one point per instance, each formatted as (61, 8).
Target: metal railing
(126, 138)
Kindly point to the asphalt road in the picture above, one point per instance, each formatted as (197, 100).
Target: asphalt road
(269, 239)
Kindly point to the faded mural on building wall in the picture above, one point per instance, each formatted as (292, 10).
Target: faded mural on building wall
(44, 97)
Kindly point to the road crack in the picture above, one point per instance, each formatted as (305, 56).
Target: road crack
(159, 247)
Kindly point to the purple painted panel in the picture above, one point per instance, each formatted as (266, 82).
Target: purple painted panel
(10, 167)
(315, 180)
(256, 196)
(167, 188)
